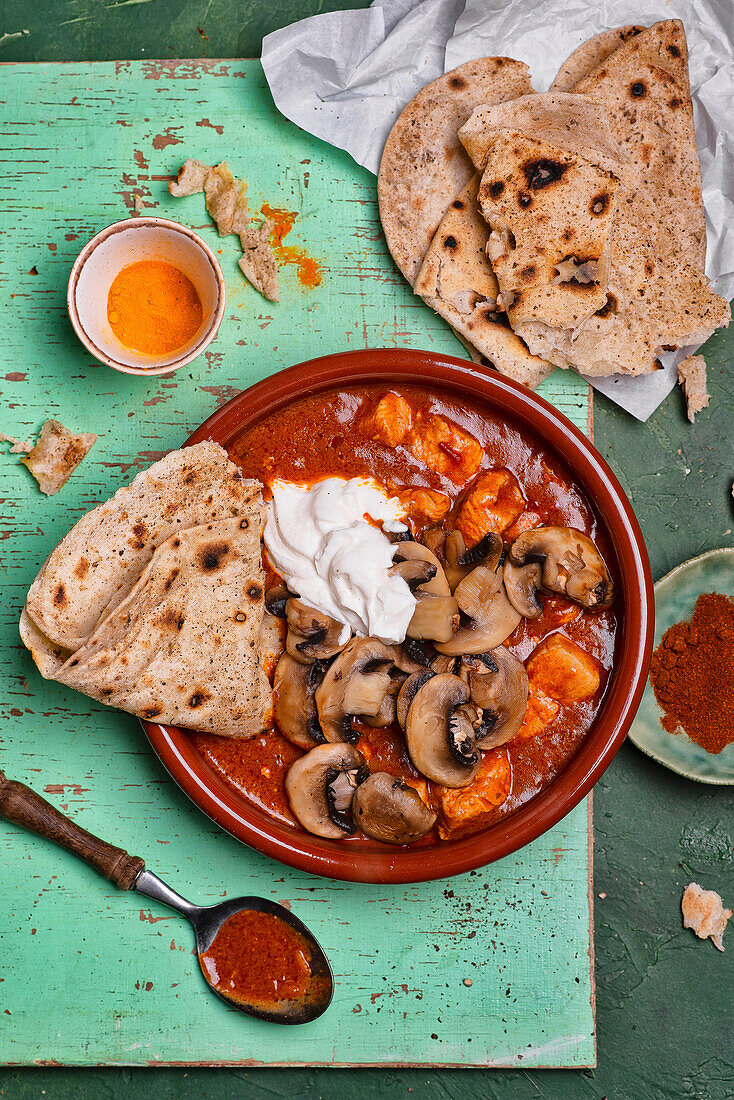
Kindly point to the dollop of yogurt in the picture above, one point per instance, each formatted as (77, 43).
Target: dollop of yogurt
(319, 541)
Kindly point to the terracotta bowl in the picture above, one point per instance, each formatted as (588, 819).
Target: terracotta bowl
(365, 860)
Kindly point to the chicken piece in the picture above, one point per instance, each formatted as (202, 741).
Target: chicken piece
(445, 447)
(526, 521)
(392, 420)
(462, 806)
(419, 784)
(540, 712)
(493, 504)
(559, 669)
(704, 912)
(425, 504)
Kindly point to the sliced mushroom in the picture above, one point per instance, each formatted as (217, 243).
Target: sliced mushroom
(498, 684)
(312, 635)
(295, 705)
(571, 564)
(440, 663)
(435, 618)
(488, 617)
(413, 655)
(439, 732)
(276, 597)
(387, 714)
(522, 584)
(437, 585)
(408, 692)
(355, 684)
(320, 788)
(406, 535)
(386, 808)
(415, 573)
(458, 561)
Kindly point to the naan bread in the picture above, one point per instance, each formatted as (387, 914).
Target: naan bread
(100, 560)
(154, 601)
(590, 55)
(570, 121)
(645, 89)
(423, 166)
(457, 280)
(181, 649)
(551, 213)
(650, 304)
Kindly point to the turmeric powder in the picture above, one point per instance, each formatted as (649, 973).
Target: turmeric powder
(153, 308)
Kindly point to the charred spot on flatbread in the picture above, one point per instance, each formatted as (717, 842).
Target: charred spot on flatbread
(542, 172)
(495, 188)
(198, 698)
(638, 90)
(255, 591)
(600, 203)
(609, 307)
(59, 597)
(81, 568)
(171, 578)
(213, 555)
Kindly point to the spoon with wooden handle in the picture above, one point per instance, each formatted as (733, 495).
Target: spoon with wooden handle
(280, 974)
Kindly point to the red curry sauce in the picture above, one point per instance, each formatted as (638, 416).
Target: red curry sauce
(258, 959)
(327, 435)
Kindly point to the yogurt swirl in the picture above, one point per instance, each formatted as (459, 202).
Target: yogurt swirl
(319, 541)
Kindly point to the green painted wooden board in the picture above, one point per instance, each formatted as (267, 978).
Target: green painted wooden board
(88, 975)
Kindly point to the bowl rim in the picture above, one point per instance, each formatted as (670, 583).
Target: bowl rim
(351, 861)
(122, 226)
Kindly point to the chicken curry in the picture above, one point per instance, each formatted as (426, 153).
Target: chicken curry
(511, 634)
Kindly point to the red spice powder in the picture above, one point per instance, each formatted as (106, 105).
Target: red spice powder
(309, 270)
(692, 674)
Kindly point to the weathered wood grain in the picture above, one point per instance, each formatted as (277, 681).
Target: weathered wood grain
(117, 981)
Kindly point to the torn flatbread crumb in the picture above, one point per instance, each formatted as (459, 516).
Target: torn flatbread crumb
(257, 262)
(704, 913)
(191, 178)
(692, 377)
(19, 446)
(56, 455)
(226, 200)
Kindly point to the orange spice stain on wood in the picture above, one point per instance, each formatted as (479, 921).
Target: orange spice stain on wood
(309, 270)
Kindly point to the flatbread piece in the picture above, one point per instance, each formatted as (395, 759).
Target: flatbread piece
(457, 280)
(56, 455)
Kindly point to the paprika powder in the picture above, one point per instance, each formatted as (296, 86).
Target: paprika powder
(692, 674)
(153, 308)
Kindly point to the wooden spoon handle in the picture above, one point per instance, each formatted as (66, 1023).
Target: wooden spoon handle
(24, 807)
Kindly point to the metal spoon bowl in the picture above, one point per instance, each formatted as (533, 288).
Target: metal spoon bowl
(208, 919)
(22, 806)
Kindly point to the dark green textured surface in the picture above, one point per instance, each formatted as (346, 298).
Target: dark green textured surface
(664, 1000)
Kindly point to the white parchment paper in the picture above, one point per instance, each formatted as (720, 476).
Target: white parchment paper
(346, 76)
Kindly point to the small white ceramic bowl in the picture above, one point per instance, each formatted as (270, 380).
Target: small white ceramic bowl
(129, 242)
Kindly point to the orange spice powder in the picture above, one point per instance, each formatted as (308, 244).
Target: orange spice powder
(153, 308)
(309, 270)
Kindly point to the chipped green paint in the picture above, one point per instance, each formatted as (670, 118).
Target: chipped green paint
(117, 980)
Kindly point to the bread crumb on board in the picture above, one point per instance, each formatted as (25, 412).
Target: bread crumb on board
(692, 377)
(704, 912)
(56, 455)
(18, 446)
(226, 204)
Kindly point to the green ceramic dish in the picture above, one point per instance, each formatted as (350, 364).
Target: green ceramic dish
(675, 598)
